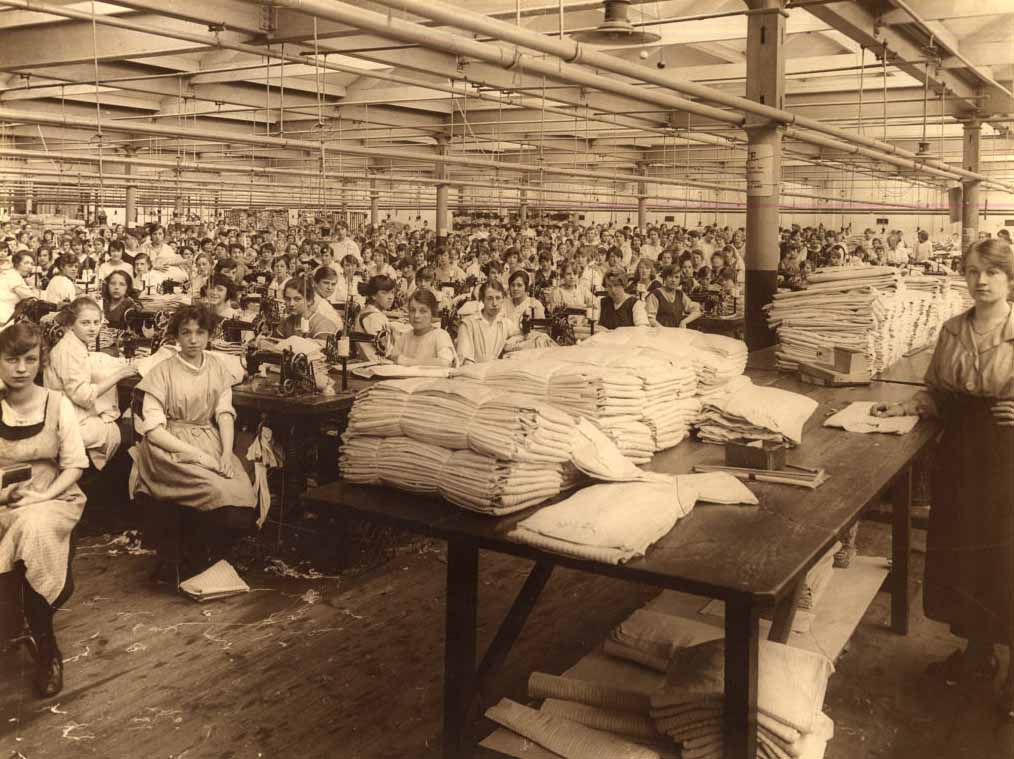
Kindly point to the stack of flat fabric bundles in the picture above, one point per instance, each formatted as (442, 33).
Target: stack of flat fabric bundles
(466, 478)
(791, 686)
(752, 412)
(959, 290)
(537, 376)
(462, 415)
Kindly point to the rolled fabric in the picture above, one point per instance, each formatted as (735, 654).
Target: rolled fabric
(623, 723)
(564, 737)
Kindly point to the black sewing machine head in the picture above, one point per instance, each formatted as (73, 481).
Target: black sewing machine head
(269, 317)
(170, 287)
(32, 310)
(557, 324)
(296, 374)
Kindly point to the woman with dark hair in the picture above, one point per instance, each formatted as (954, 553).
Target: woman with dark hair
(116, 297)
(307, 316)
(115, 261)
(68, 371)
(970, 541)
(218, 294)
(668, 305)
(520, 303)
(379, 292)
(62, 288)
(194, 490)
(483, 336)
(38, 427)
(618, 308)
(13, 288)
(425, 344)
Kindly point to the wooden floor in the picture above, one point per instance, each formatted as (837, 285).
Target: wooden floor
(339, 668)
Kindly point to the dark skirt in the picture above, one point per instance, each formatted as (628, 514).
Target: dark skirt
(969, 581)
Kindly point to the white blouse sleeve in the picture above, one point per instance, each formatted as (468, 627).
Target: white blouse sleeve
(224, 405)
(152, 413)
(70, 367)
(640, 314)
(72, 450)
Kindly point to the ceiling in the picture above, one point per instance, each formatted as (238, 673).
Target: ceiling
(242, 100)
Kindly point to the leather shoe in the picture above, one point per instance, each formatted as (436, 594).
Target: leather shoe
(49, 677)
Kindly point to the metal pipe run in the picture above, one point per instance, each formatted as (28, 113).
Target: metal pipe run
(574, 52)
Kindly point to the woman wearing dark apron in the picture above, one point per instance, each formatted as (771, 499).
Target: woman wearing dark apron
(38, 427)
(969, 581)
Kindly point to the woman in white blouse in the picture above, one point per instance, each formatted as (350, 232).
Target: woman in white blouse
(520, 303)
(13, 287)
(483, 336)
(69, 372)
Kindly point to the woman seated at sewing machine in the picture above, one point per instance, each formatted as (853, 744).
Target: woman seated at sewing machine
(62, 288)
(193, 490)
(306, 311)
(116, 298)
(669, 305)
(69, 371)
(618, 308)
(282, 271)
(483, 336)
(147, 280)
(325, 280)
(13, 287)
(425, 344)
(520, 304)
(218, 294)
(379, 292)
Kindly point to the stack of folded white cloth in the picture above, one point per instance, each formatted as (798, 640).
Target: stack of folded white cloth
(458, 415)
(869, 309)
(791, 686)
(752, 412)
(818, 579)
(466, 478)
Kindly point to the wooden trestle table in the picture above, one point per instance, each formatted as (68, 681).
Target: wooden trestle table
(754, 559)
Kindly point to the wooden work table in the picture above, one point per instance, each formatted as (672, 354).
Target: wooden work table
(753, 559)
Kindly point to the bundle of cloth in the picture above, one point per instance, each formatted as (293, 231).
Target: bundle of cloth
(752, 412)
(818, 579)
(869, 309)
(791, 686)
(462, 415)
(468, 479)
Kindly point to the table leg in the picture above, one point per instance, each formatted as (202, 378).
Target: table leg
(901, 543)
(742, 649)
(460, 643)
(785, 614)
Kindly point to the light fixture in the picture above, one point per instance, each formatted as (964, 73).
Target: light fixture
(616, 28)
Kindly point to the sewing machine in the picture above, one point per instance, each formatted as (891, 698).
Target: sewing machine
(295, 372)
(32, 310)
(143, 326)
(338, 348)
(557, 324)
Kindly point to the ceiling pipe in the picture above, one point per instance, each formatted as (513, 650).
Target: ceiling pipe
(570, 51)
(213, 41)
(203, 133)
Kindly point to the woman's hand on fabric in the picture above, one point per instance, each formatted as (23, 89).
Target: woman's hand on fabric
(883, 409)
(26, 497)
(10, 496)
(1003, 413)
(225, 465)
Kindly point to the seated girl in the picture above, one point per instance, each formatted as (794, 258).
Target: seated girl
(520, 303)
(116, 298)
(281, 269)
(668, 305)
(115, 261)
(379, 293)
(218, 294)
(38, 427)
(483, 336)
(618, 308)
(425, 344)
(644, 279)
(68, 371)
(62, 288)
(147, 280)
(193, 488)
(309, 316)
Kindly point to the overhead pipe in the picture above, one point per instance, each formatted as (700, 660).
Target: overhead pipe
(213, 41)
(203, 133)
(574, 52)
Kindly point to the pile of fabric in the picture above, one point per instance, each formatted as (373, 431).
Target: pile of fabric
(458, 415)
(869, 309)
(790, 697)
(750, 412)
(468, 479)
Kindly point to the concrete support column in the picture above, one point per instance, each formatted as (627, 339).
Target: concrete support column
(29, 198)
(970, 187)
(374, 204)
(178, 211)
(765, 83)
(523, 208)
(642, 200)
(441, 222)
